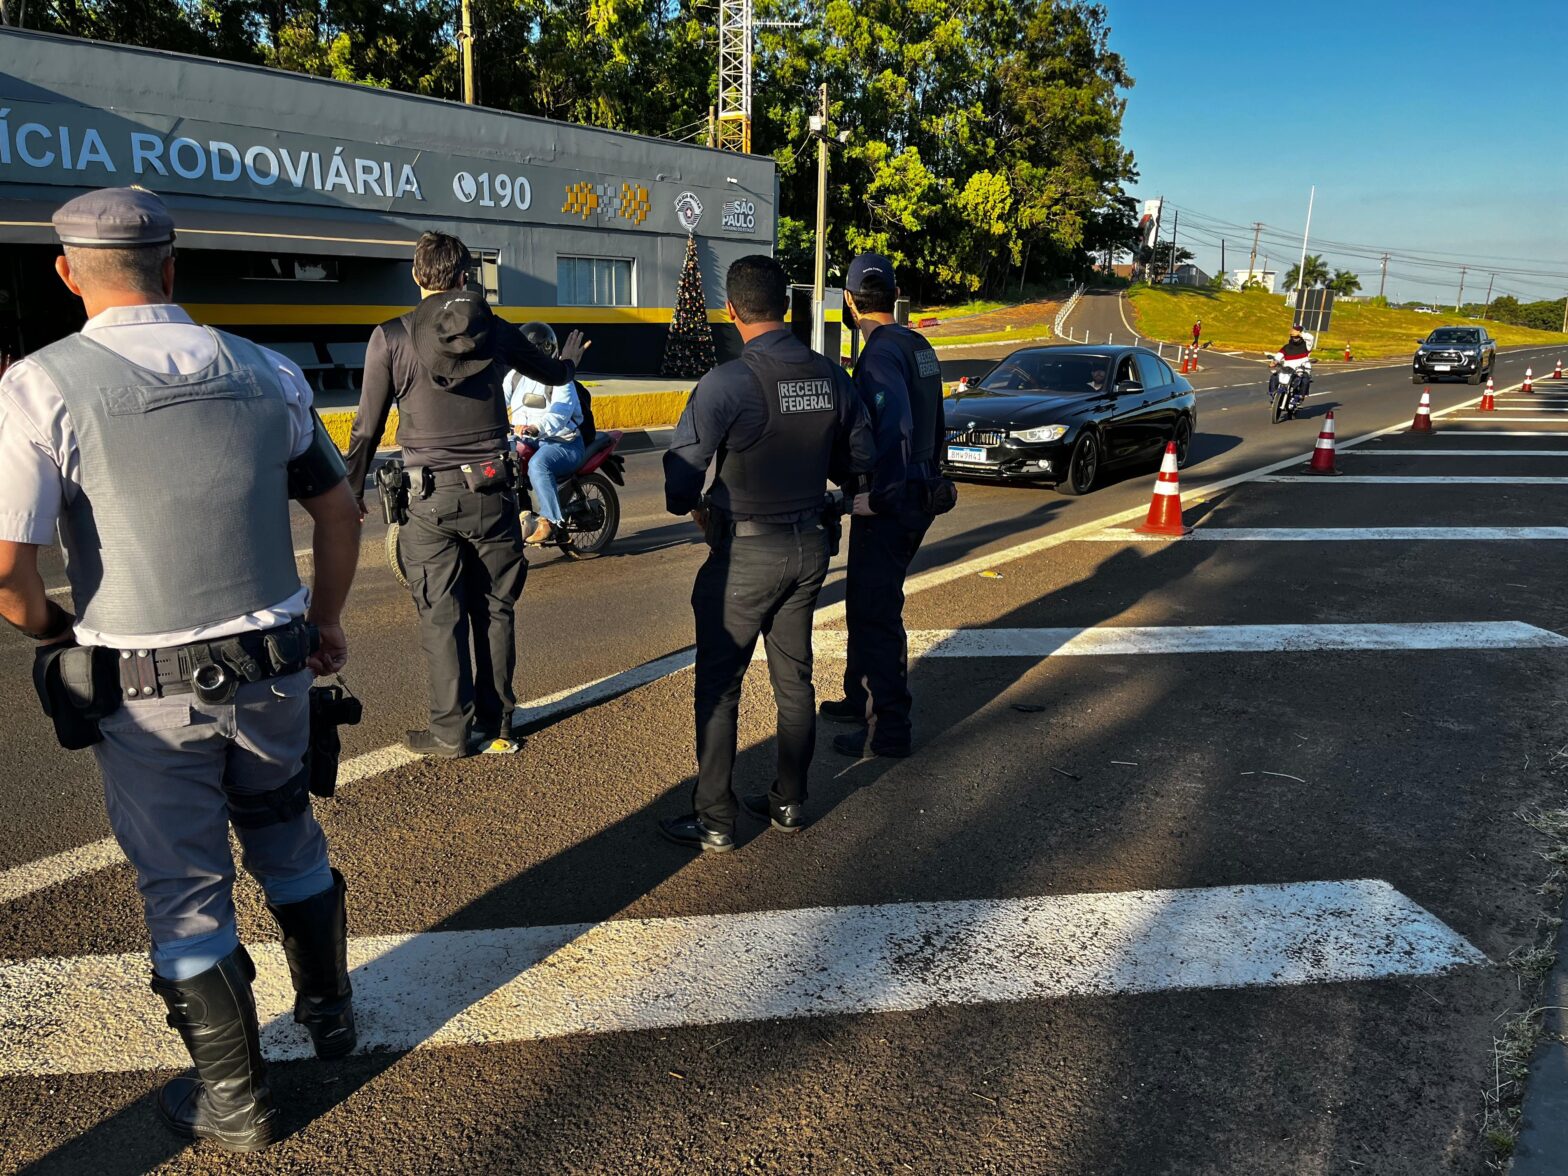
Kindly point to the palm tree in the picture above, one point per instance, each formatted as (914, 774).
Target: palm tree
(1316, 273)
(1344, 282)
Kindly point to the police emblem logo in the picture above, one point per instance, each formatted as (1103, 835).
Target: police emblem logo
(927, 364)
(805, 396)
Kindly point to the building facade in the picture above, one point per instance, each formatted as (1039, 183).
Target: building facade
(297, 201)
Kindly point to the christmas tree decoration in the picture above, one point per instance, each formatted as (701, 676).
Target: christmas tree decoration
(688, 351)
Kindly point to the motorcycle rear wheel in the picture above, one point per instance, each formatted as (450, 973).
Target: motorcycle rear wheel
(599, 493)
(395, 555)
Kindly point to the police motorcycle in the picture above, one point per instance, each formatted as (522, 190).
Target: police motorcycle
(1288, 385)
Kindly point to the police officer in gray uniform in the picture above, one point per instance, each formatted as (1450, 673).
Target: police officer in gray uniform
(166, 453)
(900, 381)
(776, 424)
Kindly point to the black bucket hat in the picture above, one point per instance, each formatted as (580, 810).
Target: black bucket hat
(454, 334)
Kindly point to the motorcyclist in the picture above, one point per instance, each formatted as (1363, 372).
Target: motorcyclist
(549, 421)
(1296, 354)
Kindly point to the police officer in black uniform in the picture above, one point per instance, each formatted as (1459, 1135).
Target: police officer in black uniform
(443, 364)
(899, 380)
(776, 423)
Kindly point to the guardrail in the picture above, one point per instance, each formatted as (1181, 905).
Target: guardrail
(1068, 307)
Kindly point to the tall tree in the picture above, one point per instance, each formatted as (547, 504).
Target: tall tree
(1317, 273)
(1344, 282)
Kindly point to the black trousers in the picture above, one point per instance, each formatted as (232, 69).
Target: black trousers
(464, 555)
(767, 585)
(876, 670)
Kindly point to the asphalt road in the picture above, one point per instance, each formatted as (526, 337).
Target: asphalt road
(1120, 772)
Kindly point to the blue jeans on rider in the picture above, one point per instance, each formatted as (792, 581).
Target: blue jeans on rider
(555, 459)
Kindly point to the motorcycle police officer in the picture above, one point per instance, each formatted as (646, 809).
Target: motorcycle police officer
(776, 424)
(900, 381)
(443, 364)
(166, 453)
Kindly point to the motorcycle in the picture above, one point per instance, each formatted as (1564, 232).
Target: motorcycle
(589, 501)
(1288, 387)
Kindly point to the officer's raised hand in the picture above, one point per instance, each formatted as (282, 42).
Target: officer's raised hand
(575, 347)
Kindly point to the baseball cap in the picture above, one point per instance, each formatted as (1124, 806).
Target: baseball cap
(870, 265)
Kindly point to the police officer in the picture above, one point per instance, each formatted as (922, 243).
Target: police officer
(443, 364)
(166, 454)
(776, 424)
(899, 379)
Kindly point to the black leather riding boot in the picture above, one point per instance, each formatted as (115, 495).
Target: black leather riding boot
(227, 1100)
(315, 941)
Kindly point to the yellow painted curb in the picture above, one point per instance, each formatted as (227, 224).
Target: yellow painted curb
(633, 410)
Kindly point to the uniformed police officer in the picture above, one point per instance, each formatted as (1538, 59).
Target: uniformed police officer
(166, 453)
(443, 364)
(899, 380)
(776, 423)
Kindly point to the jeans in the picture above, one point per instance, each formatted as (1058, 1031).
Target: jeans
(767, 585)
(464, 552)
(876, 669)
(553, 460)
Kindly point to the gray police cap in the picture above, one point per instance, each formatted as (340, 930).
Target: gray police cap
(114, 218)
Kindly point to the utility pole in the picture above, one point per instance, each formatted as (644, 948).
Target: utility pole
(820, 282)
(1222, 255)
(1252, 261)
(468, 53)
(1460, 301)
(1565, 316)
(1175, 224)
(1383, 276)
(1487, 309)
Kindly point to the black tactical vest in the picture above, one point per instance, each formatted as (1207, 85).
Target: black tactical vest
(925, 388)
(454, 417)
(785, 471)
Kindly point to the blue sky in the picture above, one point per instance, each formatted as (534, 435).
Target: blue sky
(1231, 124)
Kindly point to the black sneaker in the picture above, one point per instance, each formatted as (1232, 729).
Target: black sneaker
(855, 745)
(693, 833)
(424, 743)
(843, 711)
(786, 818)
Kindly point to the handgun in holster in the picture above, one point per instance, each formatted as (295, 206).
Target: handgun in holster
(392, 483)
(331, 707)
(833, 520)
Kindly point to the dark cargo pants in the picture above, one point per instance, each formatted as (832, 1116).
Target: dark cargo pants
(464, 554)
(876, 671)
(767, 585)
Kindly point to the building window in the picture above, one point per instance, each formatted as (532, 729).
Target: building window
(594, 281)
(289, 267)
(486, 274)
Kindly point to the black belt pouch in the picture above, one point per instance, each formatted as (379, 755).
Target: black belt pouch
(331, 707)
(494, 474)
(78, 685)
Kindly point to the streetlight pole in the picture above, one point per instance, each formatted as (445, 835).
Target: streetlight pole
(820, 278)
(1301, 270)
(468, 53)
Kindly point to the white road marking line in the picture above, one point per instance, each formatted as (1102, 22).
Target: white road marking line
(93, 1014)
(1530, 408)
(62, 867)
(1339, 534)
(1477, 420)
(20, 881)
(1416, 480)
(1109, 641)
(1466, 452)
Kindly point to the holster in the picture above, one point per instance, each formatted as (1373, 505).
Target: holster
(833, 522)
(719, 531)
(392, 482)
(78, 685)
(331, 707)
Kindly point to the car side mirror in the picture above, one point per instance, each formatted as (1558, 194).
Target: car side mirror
(1129, 388)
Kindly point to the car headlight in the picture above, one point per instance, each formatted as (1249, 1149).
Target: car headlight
(1043, 433)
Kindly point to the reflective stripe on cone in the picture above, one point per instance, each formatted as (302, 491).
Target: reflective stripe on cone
(1423, 421)
(1323, 455)
(1165, 507)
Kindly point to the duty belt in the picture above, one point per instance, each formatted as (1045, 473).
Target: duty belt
(750, 528)
(214, 670)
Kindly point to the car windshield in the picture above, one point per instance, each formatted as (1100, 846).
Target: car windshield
(1451, 335)
(1046, 371)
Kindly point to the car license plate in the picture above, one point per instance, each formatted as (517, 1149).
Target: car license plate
(972, 454)
(1442, 367)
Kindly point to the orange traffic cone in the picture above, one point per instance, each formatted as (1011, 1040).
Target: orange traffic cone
(1489, 397)
(1323, 456)
(1557, 372)
(1527, 386)
(1423, 421)
(1194, 357)
(1165, 508)
(1184, 368)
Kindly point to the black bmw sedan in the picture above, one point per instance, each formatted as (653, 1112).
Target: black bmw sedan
(1066, 414)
